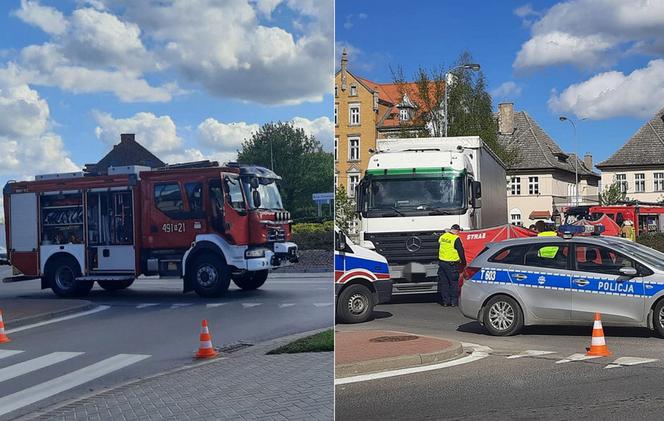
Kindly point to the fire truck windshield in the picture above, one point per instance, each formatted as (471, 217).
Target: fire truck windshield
(268, 191)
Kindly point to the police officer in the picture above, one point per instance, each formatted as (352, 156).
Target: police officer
(450, 255)
(548, 252)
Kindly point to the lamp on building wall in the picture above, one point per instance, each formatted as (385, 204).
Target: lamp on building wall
(470, 66)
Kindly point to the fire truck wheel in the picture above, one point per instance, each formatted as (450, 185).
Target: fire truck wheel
(115, 285)
(211, 276)
(355, 304)
(251, 280)
(61, 276)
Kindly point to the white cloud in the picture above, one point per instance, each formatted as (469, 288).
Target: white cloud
(48, 19)
(157, 134)
(507, 89)
(224, 137)
(266, 7)
(588, 33)
(352, 19)
(612, 94)
(321, 128)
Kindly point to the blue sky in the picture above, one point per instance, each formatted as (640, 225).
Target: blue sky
(597, 61)
(191, 78)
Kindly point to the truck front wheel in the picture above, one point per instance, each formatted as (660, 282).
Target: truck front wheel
(211, 276)
(61, 276)
(355, 304)
(251, 280)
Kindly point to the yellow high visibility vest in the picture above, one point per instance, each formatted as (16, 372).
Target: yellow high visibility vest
(446, 250)
(548, 252)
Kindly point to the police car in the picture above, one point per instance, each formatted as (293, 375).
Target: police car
(555, 280)
(361, 280)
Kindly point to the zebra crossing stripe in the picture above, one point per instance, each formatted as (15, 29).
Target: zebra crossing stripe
(322, 304)
(4, 353)
(68, 381)
(576, 357)
(249, 305)
(144, 305)
(210, 305)
(282, 305)
(179, 305)
(627, 361)
(59, 319)
(530, 353)
(35, 364)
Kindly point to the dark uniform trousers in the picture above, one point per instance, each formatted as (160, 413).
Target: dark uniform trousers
(448, 282)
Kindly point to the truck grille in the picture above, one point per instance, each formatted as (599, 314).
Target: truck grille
(276, 234)
(406, 247)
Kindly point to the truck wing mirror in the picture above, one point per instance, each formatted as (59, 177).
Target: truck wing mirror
(477, 188)
(254, 183)
(339, 241)
(256, 196)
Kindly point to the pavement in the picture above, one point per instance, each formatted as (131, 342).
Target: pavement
(22, 311)
(244, 385)
(368, 351)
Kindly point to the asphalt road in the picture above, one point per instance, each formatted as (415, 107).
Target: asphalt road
(500, 387)
(147, 329)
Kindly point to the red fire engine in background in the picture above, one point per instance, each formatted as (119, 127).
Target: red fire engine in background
(204, 223)
(646, 218)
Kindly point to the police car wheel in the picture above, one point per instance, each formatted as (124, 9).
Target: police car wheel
(211, 276)
(251, 280)
(355, 304)
(503, 316)
(658, 318)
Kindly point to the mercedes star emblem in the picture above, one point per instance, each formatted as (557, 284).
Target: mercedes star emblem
(413, 244)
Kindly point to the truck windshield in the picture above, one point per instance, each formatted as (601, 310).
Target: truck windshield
(269, 193)
(416, 195)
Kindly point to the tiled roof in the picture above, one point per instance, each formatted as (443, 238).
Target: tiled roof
(127, 152)
(537, 150)
(391, 94)
(645, 147)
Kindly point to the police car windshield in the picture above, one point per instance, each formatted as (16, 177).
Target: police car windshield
(416, 195)
(649, 256)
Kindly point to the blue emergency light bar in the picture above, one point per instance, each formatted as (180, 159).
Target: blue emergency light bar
(570, 229)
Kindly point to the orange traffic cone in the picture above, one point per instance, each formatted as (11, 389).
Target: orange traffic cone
(205, 350)
(598, 346)
(3, 337)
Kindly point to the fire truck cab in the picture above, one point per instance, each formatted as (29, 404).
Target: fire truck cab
(200, 222)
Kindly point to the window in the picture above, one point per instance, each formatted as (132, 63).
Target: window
(598, 259)
(353, 181)
(353, 90)
(639, 182)
(168, 199)
(622, 179)
(552, 255)
(233, 190)
(354, 115)
(404, 114)
(515, 216)
(515, 185)
(336, 148)
(510, 255)
(336, 114)
(194, 197)
(354, 149)
(659, 181)
(336, 91)
(533, 185)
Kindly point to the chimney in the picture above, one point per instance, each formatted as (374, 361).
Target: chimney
(344, 66)
(127, 137)
(506, 118)
(588, 161)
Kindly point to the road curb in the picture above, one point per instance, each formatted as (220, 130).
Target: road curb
(402, 361)
(23, 321)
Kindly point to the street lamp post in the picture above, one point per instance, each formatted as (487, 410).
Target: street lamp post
(471, 66)
(576, 160)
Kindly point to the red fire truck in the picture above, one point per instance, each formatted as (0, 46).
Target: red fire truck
(204, 223)
(646, 218)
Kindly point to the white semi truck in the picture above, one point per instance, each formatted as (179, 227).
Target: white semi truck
(414, 189)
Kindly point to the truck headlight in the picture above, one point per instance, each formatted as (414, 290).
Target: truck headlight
(254, 253)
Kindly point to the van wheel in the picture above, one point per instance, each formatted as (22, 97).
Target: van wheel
(503, 316)
(251, 280)
(355, 304)
(658, 318)
(61, 276)
(211, 276)
(115, 285)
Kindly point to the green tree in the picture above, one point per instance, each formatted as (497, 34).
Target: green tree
(299, 159)
(344, 209)
(612, 195)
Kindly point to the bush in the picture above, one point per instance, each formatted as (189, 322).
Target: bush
(655, 240)
(310, 236)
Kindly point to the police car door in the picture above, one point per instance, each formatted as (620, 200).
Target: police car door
(543, 282)
(599, 286)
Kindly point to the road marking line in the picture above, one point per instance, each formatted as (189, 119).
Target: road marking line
(576, 357)
(68, 381)
(286, 305)
(249, 305)
(530, 353)
(477, 347)
(4, 353)
(322, 304)
(59, 319)
(210, 305)
(475, 356)
(144, 305)
(179, 305)
(35, 364)
(627, 361)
